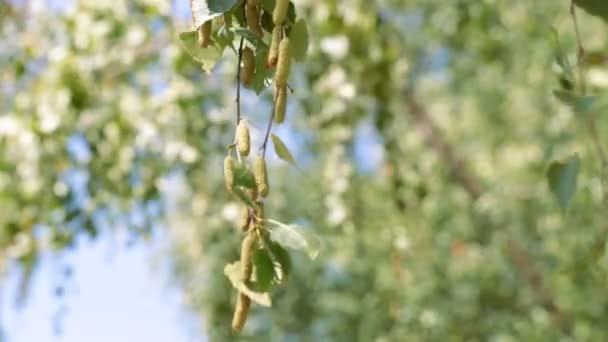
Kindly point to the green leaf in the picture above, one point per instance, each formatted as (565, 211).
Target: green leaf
(245, 198)
(562, 177)
(243, 176)
(250, 36)
(580, 104)
(299, 40)
(598, 8)
(281, 150)
(262, 75)
(224, 37)
(208, 57)
(294, 237)
(233, 272)
(204, 10)
(264, 270)
(280, 258)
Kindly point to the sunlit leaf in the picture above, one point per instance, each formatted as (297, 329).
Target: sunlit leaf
(562, 178)
(203, 10)
(233, 272)
(208, 57)
(281, 150)
(294, 237)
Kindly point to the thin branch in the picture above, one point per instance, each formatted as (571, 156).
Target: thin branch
(238, 82)
(435, 138)
(268, 128)
(515, 252)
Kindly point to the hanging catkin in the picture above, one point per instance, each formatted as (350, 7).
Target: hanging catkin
(247, 249)
(248, 66)
(280, 11)
(240, 312)
(280, 105)
(229, 172)
(273, 52)
(242, 138)
(252, 16)
(261, 176)
(282, 64)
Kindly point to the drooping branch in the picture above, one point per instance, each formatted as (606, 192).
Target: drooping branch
(515, 252)
(435, 138)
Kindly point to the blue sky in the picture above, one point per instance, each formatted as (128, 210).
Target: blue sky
(114, 294)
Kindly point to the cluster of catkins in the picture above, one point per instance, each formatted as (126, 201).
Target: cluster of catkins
(250, 187)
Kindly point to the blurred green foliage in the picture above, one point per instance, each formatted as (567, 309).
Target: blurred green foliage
(423, 131)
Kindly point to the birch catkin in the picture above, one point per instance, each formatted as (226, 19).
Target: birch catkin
(280, 11)
(280, 105)
(204, 34)
(252, 16)
(273, 52)
(240, 312)
(282, 64)
(229, 172)
(247, 249)
(242, 138)
(248, 66)
(261, 176)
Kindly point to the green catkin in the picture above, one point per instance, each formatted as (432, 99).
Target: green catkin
(247, 249)
(253, 2)
(204, 34)
(240, 312)
(280, 11)
(248, 66)
(273, 52)
(282, 64)
(261, 176)
(280, 105)
(229, 172)
(242, 138)
(252, 16)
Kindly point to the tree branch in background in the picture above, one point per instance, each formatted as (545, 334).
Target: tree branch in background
(516, 253)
